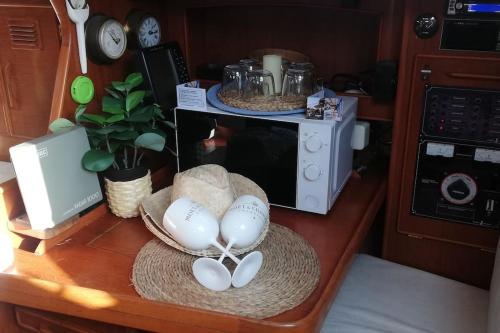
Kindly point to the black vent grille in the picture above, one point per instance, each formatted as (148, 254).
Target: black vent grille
(24, 34)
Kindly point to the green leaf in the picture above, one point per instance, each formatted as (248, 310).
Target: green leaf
(97, 160)
(112, 105)
(80, 109)
(93, 118)
(115, 118)
(114, 93)
(124, 136)
(151, 141)
(60, 124)
(100, 131)
(157, 131)
(141, 115)
(133, 99)
(134, 80)
(119, 128)
(120, 86)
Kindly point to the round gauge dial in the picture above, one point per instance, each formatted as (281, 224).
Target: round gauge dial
(105, 38)
(143, 29)
(112, 39)
(78, 4)
(426, 26)
(459, 188)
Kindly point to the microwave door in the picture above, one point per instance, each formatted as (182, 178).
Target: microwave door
(262, 150)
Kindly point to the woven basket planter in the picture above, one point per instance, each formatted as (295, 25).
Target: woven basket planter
(124, 197)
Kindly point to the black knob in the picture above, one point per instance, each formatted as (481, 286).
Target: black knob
(426, 26)
(458, 190)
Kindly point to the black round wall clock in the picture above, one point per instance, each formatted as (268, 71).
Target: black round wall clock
(105, 38)
(143, 29)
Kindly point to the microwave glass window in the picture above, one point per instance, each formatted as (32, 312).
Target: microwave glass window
(262, 150)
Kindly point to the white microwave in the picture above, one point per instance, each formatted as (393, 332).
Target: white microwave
(300, 163)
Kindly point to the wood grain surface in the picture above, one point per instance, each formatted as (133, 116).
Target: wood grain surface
(88, 274)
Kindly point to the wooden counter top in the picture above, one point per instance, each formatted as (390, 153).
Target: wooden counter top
(88, 275)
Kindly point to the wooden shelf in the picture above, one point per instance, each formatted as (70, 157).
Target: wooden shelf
(368, 109)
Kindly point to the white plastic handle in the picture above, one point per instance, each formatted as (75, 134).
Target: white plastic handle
(82, 51)
(79, 16)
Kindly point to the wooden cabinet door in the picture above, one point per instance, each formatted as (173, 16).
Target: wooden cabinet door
(29, 39)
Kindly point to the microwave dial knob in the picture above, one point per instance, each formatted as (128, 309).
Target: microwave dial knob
(312, 172)
(459, 188)
(313, 143)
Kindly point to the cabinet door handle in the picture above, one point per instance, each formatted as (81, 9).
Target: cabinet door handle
(8, 90)
(474, 76)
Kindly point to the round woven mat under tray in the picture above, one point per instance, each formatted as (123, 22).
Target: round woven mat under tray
(289, 274)
(153, 208)
(278, 103)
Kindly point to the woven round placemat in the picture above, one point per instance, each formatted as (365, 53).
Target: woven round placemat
(277, 103)
(289, 274)
(153, 207)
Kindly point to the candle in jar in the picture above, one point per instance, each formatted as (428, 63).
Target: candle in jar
(272, 63)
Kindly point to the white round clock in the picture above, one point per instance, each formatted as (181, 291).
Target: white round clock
(105, 38)
(143, 29)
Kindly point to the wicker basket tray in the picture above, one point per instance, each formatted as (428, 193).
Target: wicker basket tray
(153, 208)
(278, 103)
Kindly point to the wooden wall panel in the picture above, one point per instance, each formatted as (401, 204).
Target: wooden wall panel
(338, 39)
(335, 41)
(457, 251)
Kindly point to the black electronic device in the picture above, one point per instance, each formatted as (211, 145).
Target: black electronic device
(458, 182)
(470, 115)
(473, 9)
(385, 81)
(163, 68)
(458, 167)
(471, 26)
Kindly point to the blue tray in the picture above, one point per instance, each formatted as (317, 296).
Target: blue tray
(214, 100)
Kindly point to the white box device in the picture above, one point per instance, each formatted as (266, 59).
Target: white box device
(53, 183)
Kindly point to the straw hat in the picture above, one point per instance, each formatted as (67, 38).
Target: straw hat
(208, 185)
(211, 186)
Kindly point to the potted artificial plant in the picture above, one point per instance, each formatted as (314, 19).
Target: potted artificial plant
(118, 136)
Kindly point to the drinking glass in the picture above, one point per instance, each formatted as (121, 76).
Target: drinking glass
(303, 65)
(232, 80)
(196, 228)
(240, 227)
(307, 66)
(250, 64)
(259, 85)
(298, 83)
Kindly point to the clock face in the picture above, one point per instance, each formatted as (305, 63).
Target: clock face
(112, 39)
(149, 33)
